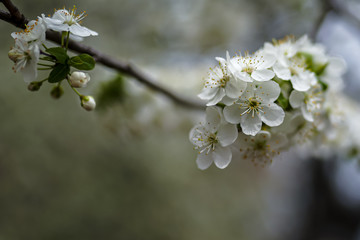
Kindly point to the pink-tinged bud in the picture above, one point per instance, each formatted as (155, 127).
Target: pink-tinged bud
(79, 79)
(88, 103)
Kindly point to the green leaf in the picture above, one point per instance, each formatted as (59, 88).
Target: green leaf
(324, 85)
(111, 92)
(59, 53)
(82, 62)
(59, 73)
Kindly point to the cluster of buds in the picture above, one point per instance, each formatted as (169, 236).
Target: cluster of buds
(30, 49)
(262, 104)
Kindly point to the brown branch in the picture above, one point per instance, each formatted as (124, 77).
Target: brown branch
(17, 19)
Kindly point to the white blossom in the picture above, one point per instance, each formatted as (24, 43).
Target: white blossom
(34, 32)
(255, 106)
(25, 56)
(88, 103)
(290, 67)
(254, 67)
(68, 21)
(222, 82)
(212, 140)
(310, 102)
(79, 79)
(262, 148)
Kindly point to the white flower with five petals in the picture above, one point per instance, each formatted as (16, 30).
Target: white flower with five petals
(255, 106)
(254, 67)
(68, 21)
(212, 139)
(222, 82)
(262, 148)
(25, 56)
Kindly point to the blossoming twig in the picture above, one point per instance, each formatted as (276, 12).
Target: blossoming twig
(16, 18)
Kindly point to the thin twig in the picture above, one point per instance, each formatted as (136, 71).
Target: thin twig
(17, 19)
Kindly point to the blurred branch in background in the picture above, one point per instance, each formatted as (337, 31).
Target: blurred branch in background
(16, 18)
(337, 7)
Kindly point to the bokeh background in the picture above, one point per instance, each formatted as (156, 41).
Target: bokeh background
(127, 170)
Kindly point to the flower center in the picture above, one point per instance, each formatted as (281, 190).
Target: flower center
(224, 80)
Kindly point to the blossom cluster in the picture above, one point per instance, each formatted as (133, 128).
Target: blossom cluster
(262, 104)
(30, 49)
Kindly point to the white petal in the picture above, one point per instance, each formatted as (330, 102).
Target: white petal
(251, 125)
(296, 99)
(277, 141)
(282, 72)
(232, 114)
(272, 114)
(227, 134)
(213, 118)
(262, 136)
(208, 93)
(268, 91)
(81, 31)
(194, 133)
(306, 114)
(268, 61)
(336, 66)
(300, 84)
(219, 95)
(204, 160)
(244, 76)
(222, 156)
(228, 101)
(263, 75)
(231, 90)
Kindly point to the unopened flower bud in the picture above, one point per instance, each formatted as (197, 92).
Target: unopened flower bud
(79, 79)
(34, 86)
(57, 92)
(88, 103)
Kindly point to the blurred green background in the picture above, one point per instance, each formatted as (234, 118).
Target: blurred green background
(128, 171)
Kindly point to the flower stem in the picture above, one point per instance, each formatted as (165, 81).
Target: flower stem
(67, 40)
(76, 91)
(63, 34)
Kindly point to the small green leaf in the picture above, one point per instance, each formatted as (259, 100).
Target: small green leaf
(59, 73)
(111, 92)
(82, 62)
(324, 85)
(59, 53)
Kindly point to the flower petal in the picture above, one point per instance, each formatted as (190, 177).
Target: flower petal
(227, 134)
(222, 156)
(251, 125)
(213, 118)
(244, 76)
(272, 114)
(217, 98)
(268, 61)
(81, 31)
(232, 114)
(262, 75)
(296, 99)
(300, 83)
(306, 114)
(282, 72)
(268, 91)
(204, 160)
(208, 93)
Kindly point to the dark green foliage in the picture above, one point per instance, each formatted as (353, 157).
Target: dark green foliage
(111, 92)
(82, 62)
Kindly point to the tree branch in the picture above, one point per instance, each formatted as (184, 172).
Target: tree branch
(17, 19)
